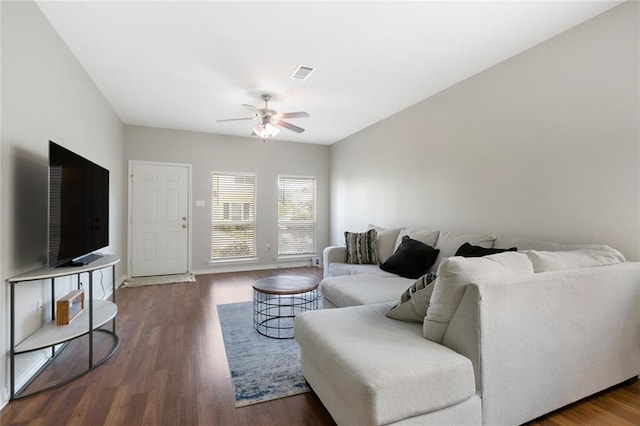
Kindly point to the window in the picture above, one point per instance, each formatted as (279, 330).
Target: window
(233, 216)
(296, 216)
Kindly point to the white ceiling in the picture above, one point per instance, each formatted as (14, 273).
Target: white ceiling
(182, 65)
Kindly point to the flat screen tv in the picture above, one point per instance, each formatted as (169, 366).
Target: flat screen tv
(78, 208)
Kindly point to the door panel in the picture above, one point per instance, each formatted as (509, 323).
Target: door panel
(160, 211)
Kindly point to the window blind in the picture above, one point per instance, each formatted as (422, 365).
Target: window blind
(233, 216)
(296, 215)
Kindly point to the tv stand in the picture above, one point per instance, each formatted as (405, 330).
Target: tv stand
(55, 338)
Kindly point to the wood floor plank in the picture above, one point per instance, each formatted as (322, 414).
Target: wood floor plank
(120, 398)
(171, 369)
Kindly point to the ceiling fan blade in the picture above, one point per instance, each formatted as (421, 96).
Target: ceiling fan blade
(236, 119)
(300, 114)
(252, 108)
(286, 125)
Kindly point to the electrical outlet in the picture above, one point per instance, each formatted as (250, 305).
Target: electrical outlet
(40, 310)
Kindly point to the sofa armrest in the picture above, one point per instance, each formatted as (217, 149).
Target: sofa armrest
(333, 254)
(543, 341)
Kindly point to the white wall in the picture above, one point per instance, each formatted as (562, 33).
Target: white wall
(3, 317)
(46, 95)
(544, 145)
(207, 153)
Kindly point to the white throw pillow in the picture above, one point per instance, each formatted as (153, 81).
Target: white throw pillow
(385, 241)
(573, 259)
(455, 273)
(427, 236)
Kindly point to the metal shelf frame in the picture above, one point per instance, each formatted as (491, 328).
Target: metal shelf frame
(98, 313)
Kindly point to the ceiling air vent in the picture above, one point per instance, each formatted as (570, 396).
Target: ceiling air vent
(302, 72)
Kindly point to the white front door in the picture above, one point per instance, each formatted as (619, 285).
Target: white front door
(159, 219)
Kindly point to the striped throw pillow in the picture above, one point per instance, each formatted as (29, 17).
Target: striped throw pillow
(414, 302)
(361, 247)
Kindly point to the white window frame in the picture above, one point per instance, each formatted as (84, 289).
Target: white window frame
(233, 213)
(284, 252)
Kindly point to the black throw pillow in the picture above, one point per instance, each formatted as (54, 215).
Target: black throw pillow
(412, 259)
(467, 250)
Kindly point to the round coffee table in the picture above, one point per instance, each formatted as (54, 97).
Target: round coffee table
(277, 300)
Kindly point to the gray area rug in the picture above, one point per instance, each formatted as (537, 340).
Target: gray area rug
(158, 279)
(261, 368)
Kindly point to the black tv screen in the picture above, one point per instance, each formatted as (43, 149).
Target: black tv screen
(78, 207)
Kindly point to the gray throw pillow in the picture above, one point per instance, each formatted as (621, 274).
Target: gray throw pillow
(414, 301)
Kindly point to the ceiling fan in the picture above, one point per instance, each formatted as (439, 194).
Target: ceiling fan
(269, 120)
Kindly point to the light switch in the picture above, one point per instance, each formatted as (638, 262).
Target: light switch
(199, 203)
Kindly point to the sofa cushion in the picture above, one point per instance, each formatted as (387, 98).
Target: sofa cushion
(384, 370)
(558, 260)
(455, 273)
(412, 259)
(468, 250)
(414, 301)
(529, 244)
(427, 236)
(336, 269)
(385, 241)
(363, 289)
(449, 242)
(361, 247)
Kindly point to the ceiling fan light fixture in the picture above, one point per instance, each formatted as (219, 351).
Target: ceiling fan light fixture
(266, 130)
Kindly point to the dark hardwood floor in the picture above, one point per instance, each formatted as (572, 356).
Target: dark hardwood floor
(171, 369)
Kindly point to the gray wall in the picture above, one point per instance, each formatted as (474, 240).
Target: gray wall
(207, 153)
(46, 95)
(544, 145)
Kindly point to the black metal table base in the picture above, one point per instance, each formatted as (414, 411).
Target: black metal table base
(273, 314)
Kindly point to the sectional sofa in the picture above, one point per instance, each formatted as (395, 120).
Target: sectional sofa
(496, 340)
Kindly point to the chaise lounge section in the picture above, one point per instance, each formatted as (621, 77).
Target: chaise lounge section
(505, 339)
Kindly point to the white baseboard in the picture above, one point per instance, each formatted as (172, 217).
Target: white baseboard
(28, 368)
(120, 281)
(244, 267)
(4, 398)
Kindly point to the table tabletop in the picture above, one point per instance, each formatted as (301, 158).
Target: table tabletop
(285, 284)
